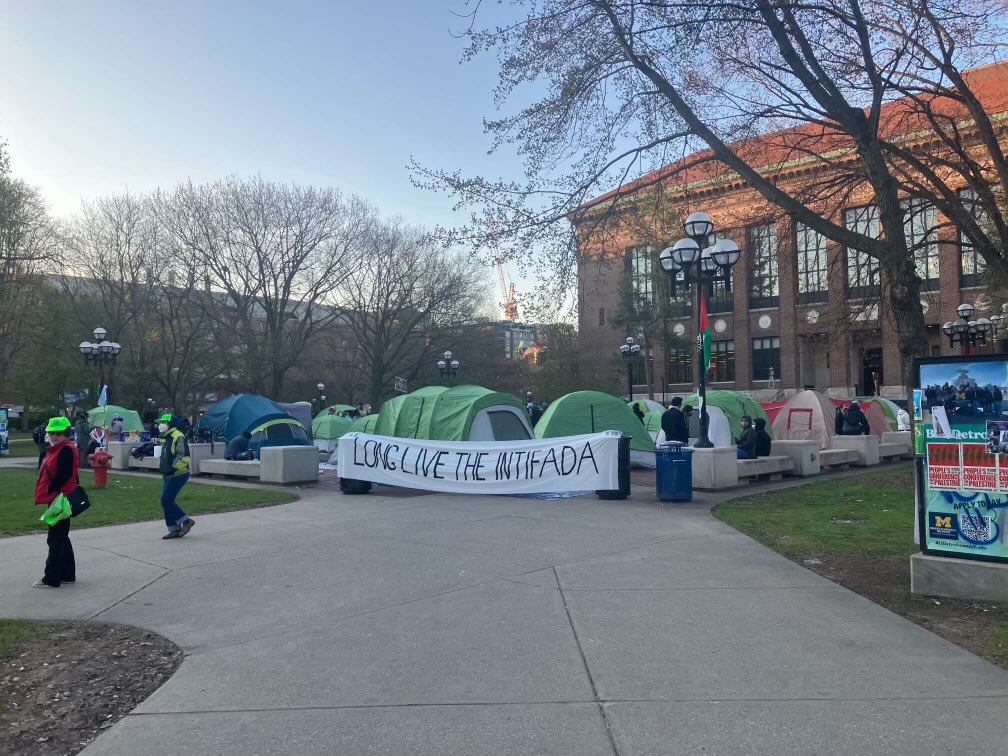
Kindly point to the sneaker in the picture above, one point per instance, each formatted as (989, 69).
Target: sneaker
(71, 581)
(187, 526)
(171, 534)
(43, 584)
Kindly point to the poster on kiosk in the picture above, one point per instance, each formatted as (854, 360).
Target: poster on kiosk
(961, 442)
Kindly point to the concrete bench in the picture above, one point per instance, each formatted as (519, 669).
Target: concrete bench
(839, 459)
(230, 467)
(765, 468)
(900, 437)
(715, 469)
(867, 448)
(289, 464)
(891, 451)
(120, 453)
(805, 455)
(145, 463)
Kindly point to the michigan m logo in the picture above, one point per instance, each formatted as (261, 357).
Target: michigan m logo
(941, 521)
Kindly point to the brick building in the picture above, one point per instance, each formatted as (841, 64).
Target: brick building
(802, 310)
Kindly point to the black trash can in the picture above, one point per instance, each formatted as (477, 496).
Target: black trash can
(674, 472)
(351, 486)
(623, 468)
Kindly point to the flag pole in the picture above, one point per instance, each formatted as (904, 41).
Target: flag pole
(703, 329)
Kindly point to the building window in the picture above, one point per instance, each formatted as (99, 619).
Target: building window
(973, 265)
(813, 265)
(601, 316)
(719, 299)
(921, 230)
(680, 300)
(680, 366)
(862, 270)
(641, 280)
(765, 283)
(722, 361)
(765, 355)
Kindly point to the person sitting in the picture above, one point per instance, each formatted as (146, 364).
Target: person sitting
(855, 422)
(762, 438)
(838, 421)
(745, 446)
(237, 446)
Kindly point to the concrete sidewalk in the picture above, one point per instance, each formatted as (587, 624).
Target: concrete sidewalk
(463, 625)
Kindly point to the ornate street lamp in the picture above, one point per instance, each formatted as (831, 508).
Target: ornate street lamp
(969, 333)
(101, 352)
(700, 264)
(629, 350)
(448, 367)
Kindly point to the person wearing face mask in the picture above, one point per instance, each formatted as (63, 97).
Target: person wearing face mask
(175, 472)
(745, 447)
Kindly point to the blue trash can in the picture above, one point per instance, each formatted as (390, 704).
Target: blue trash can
(674, 472)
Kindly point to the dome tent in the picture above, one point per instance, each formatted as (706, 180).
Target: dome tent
(340, 409)
(326, 429)
(732, 405)
(263, 418)
(300, 411)
(101, 417)
(462, 413)
(806, 416)
(652, 423)
(646, 405)
(591, 412)
(889, 408)
(365, 424)
(873, 412)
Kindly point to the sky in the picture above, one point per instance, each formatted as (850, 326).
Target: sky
(101, 97)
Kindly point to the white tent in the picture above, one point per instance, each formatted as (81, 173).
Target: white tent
(806, 416)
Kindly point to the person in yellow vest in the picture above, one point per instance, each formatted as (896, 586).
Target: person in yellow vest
(175, 472)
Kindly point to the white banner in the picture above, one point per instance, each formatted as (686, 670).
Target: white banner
(547, 465)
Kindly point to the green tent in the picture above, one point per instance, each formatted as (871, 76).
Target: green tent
(456, 408)
(338, 407)
(101, 417)
(414, 417)
(590, 412)
(733, 404)
(434, 412)
(330, 426)
(652, 421)
(386, 423)
(889, 408)
(365, 424)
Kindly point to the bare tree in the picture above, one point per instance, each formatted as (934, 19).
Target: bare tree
(27, 247)
(407, 292)
(273, 257)
(873, 97)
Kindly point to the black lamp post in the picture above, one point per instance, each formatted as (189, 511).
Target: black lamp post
(448, 367)
(320, 387)
(968, 333)
(629, 350)
(101, 352)
(700, 264)
(999, 324)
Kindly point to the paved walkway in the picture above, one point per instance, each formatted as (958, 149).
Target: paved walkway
(459, 625)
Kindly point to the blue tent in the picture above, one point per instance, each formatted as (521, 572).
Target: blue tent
(231, 417)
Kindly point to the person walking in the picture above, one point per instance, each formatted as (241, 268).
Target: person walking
(39, 436)
(174, 470)
(58, 475)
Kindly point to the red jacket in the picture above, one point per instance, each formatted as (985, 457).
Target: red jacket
(57, 475)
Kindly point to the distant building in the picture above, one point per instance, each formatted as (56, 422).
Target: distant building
(802, 311)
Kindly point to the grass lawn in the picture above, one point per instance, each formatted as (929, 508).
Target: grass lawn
(128, 498)
(22, 447)
(858, 532)
(11, 631)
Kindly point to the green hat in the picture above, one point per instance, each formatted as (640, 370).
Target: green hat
(165, 418)
(57, 425)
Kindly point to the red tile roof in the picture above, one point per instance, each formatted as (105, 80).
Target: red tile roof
(901, 117)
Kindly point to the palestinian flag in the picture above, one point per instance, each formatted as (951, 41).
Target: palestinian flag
(704, 335)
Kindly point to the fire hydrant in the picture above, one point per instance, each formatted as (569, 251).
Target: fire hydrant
(100, 462)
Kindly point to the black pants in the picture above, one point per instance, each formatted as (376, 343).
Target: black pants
(60, 564)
